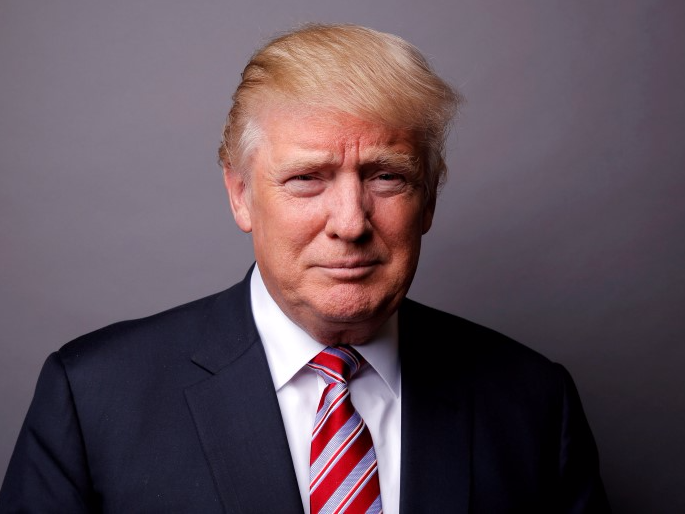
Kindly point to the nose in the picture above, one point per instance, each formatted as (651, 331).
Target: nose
(348, 209)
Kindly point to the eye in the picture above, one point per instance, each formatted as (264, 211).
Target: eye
(304, 185)
(389, 176)
(388, 182)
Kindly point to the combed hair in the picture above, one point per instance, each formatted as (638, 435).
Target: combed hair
(351, 69)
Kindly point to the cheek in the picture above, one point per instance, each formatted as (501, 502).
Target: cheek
(401, 223)
(286, 227)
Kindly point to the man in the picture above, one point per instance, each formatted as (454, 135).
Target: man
(240, 402)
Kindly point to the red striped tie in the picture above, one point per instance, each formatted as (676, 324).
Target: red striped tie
(343, 472)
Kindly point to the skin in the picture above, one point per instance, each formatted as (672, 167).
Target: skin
(336, 209)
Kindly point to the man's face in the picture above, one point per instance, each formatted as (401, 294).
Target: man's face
(336, 209)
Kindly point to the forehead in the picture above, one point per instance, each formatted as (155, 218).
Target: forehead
(332, 135)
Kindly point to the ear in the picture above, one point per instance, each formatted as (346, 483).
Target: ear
(428, 211)
(238, 196)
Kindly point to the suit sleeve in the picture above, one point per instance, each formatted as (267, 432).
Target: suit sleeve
(48, 471)
(582, 489)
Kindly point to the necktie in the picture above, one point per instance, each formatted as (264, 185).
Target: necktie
(343, 472)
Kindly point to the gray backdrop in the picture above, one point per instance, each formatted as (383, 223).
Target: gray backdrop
(561, 225)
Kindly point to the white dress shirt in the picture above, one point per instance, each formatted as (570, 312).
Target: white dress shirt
(375, 390)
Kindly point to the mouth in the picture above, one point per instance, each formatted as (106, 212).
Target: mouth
(352, 269)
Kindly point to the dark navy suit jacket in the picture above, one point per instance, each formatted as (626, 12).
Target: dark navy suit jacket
(177, 413)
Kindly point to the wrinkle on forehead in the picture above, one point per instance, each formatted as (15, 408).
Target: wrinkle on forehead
(332, 139)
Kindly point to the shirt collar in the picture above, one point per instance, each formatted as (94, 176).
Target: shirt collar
(289, 348)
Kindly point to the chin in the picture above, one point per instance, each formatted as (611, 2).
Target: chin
(352, 307)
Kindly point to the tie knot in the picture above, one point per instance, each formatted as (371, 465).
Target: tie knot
(337, 363)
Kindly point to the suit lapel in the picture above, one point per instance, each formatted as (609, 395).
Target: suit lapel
(437, 420)
(237, 415)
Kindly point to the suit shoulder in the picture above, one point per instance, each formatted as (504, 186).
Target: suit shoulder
(169, 320)
(489, 363)
(470, 341)
(169, 331)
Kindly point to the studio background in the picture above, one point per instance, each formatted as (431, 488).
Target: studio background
(562, 223)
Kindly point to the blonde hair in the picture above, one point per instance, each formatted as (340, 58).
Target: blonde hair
(375, 76)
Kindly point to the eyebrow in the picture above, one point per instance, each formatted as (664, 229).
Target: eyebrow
(307, 163)
(398, 161)
(374, 156)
